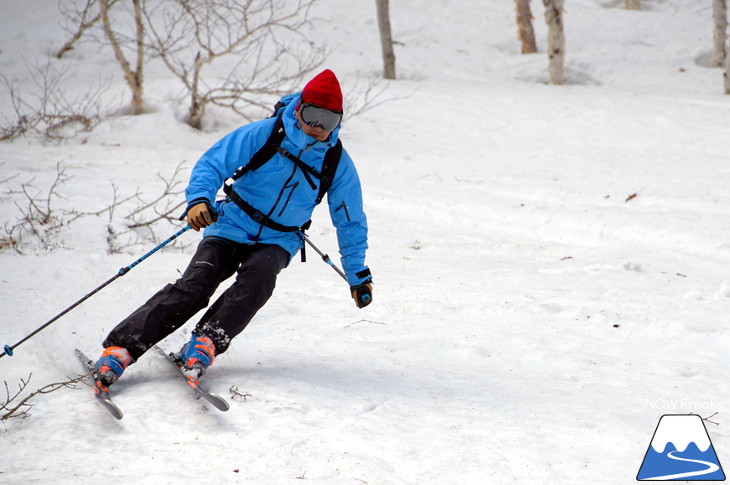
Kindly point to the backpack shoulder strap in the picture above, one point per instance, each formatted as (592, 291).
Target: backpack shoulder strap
(267, 151)
(331, 161)
(272, 145)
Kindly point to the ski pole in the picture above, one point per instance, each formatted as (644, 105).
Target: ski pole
(325, 258)
(8, 349)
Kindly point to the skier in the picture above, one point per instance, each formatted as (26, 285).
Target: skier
(253, 232)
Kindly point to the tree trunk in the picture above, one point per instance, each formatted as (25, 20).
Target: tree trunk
(386, 39)
(133, 78)
(726, 74)
(556, 40)
(719, 32)
(525, 31)
(138, 89)
(197, 105)
(633, 4)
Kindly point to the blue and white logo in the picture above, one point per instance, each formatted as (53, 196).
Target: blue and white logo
(681, 450)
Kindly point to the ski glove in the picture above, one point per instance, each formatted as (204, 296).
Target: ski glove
(199, 216)
(362, 293)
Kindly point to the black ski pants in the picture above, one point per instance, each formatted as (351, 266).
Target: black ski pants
(214, 261)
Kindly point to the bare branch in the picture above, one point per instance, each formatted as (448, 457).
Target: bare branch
(259, 42)
(85, 19)
(359, 100)
(163, 206)
(237, 395)
(710, 421)
(45, 109)
(16, 407)
(41, 221)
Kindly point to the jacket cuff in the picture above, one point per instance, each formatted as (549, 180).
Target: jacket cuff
(196, 202)
(360, 277)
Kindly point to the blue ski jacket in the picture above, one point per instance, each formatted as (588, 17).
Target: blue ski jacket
(279, 189)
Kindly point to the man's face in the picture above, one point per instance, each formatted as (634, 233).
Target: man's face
(314, 131)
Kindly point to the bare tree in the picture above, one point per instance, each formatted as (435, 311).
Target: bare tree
(134, 77)
(633, 4)
(45, 108)
(42, 217)
(726, 74)
(260, 44)
(361, 98)
(525, 32)
(556, 40)
(83, 18)
(386, 38)
(165, 206)
(15, 405)
(719, 32)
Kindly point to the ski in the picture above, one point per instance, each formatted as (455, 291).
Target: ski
(100, 392)
(198, 389)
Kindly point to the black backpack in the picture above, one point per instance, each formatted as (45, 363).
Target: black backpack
(265, 153)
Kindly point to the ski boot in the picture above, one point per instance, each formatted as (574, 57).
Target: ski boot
(110, 367)
(196, 356)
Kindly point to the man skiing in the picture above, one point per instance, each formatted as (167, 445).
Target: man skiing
(253, 233)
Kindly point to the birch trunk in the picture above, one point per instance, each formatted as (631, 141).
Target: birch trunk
(386, 38)
(719, 32)
(133, 77)
(556, 40)
(525, 31)
(726, 74)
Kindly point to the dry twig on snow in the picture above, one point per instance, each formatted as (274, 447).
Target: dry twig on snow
(18, 406)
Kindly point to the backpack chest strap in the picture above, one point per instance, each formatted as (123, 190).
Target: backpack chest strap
(256, 214)
(306, 169)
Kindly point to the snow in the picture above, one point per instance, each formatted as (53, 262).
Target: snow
(531, 320)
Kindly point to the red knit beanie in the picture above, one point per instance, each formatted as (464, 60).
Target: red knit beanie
(324, 91)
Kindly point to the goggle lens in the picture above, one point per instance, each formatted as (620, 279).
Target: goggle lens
(315, 116)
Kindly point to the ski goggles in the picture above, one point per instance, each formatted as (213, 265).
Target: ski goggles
(315, 116)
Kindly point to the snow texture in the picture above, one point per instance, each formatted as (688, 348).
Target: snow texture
(550, 264)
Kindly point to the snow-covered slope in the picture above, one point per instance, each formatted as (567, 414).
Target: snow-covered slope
(531, 321)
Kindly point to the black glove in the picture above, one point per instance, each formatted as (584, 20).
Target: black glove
(363, 293)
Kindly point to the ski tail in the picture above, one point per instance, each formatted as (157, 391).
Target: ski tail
(198, 389)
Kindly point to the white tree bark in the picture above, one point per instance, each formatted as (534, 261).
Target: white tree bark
(525, 32)
(719, 32)
(556, 40)
(633, 4)
(386, 38)
(726, 74)
(134, 77)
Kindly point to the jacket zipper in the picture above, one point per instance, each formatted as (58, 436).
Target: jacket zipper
(288, 198)
(347, 213)
(278, 199)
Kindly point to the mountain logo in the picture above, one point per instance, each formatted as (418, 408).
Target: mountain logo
(681, 450)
